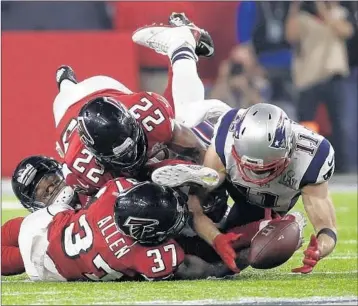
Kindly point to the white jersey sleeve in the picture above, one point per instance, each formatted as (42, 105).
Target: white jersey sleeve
(221, 132)
(33, 244)
(321, 167)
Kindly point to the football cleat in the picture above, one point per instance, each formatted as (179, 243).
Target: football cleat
(65, 72)
(183, 174)
(161, 38)
(205, 45)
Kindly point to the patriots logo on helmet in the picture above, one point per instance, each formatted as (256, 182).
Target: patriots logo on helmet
(279, 140)
(139, 227)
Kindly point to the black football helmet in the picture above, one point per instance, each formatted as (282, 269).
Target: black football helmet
(113, 135)
(27, 177)
(150, 213)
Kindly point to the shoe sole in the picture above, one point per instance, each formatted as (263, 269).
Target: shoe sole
(143, 35)
(179, 175)
(148, 30)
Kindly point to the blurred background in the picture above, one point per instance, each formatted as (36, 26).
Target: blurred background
(301, 56)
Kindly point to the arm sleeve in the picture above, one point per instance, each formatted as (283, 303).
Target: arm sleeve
(221, 131)
(321, 168)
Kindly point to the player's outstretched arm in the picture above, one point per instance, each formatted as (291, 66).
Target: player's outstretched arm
(206, 229)
(185, 142)
(320, 210)
(212, 160)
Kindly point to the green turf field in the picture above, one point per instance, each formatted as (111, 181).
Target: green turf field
(334, 278)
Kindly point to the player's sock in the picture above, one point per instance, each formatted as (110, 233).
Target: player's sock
(183, 52)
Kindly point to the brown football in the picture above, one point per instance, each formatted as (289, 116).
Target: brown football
(274, 244)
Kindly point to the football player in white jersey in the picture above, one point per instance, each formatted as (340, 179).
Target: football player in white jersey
(267, 162)
(182, 41)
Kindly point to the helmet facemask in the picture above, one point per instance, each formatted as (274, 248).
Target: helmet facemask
(120, 152)
(257, 173)
(129, 157)
(262, 144)
(43, 189)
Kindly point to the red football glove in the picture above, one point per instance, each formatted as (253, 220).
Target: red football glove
(312, 256)
(223, 246)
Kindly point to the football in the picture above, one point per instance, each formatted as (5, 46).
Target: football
(274, 244)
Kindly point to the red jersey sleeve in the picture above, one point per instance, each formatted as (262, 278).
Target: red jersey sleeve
(11, 260)
(158, 262)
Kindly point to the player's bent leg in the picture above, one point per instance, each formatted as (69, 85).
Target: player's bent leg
(180, 175)
(71, 95)
(191, 114)
(179, 44)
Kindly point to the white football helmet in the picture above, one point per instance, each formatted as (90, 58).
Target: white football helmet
(262, 143)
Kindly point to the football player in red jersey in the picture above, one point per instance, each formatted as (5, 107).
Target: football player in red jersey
(125, 234)
(38, 183)
(149, 119)
(153, 112)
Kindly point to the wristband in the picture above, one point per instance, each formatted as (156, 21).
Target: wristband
(329, 233)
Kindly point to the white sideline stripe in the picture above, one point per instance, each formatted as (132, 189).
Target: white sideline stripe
(318, 300)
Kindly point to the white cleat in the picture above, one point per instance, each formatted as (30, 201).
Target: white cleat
(161, 38)
(182, 174)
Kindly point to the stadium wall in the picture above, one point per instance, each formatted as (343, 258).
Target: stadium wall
(29, 63)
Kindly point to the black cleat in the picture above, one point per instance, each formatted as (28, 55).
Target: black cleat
(65, 72)
(205, 46)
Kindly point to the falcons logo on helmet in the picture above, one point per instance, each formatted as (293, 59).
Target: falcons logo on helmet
(139, 227)
(82, 129)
